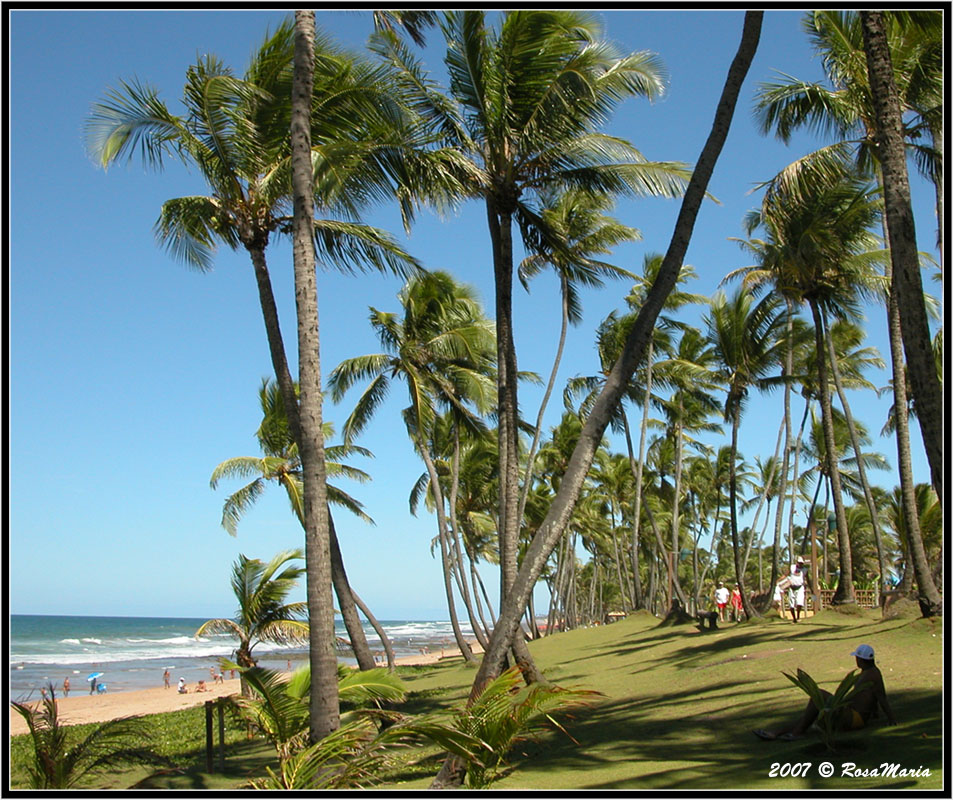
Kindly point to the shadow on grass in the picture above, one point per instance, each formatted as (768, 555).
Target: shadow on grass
(243, 760)
(716, 749)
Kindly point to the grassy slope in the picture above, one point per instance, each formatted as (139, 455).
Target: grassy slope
(680, 704)
(678, 710)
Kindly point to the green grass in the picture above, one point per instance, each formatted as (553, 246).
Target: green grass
(677, 713)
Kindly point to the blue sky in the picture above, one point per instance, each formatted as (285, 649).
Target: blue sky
(131, 377)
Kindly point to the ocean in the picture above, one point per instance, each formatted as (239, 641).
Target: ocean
(133, 652)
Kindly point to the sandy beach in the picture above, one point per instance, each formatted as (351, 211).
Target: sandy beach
(81, 707)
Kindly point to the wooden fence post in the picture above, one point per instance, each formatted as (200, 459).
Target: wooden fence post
(221, 736)
(208, 737)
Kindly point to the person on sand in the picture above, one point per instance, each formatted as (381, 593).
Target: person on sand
(165, 679)
(796, 589)
(182, 689)
(868, 693)
(721, 599)
(201, 687)
(66, 686)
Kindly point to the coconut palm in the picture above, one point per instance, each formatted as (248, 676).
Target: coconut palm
(442, 348)
(906, 285)
(747, 342)
(282, 464)
(523, 106)
(263, 614)
(576, 217)
(553, 525)
(845, 110)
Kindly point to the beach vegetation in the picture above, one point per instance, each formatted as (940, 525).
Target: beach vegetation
(830, 706)
(263, 614)
(61, 757)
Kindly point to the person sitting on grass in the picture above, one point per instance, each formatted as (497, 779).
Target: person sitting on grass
(868, 693)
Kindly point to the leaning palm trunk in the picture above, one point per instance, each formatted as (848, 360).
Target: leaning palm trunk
(557, 518)
(845, 583)
(385, 640)
(765, 493)
(638, 598)
(324, 706)
(906, 283)
(861, 470)
(355, 631)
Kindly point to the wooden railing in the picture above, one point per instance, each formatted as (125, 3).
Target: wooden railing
(866, 598)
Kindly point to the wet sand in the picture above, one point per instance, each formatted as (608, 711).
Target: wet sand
(82, 707)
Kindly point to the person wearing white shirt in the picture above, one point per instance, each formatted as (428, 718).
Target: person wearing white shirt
(721, 599)
(796, 589)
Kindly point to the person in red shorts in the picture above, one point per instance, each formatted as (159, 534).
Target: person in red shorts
(721, 599)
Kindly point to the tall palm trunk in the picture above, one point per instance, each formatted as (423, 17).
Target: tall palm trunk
(845, 584)
(906, 283)
(442, 527)
(861, 470)
(557, 518)
(638, 601)
(324, 706)
(735, 405)
(501, 235)
(787, 372)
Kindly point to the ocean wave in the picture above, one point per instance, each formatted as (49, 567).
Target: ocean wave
(69, 641)
(92, 641)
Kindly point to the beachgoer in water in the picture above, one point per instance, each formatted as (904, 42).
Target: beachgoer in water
(182, 689)
(165, 679)
(66, 687)
(868, 694)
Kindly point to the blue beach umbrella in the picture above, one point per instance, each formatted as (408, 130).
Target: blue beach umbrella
(93, 675)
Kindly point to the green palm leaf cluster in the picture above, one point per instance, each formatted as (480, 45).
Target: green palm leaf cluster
(61, 759)
(263, 614)
(504, 714)
(829, 706)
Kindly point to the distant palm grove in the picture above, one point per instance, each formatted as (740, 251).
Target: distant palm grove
(310, 137)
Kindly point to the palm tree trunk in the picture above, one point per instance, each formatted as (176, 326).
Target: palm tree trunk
(537, 433)
(906, 283)
(382, 635)
(444, 549)
(733, 507)
(638, 598)
(501, 236)
(861, 470)
(456, 551)
(355, 631)
(845, 583)
(324, 706)
(765, 493)
(787, 374)
(556, 520)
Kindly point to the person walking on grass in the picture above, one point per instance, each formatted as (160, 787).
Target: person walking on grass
(796, 589)
(868, 694)
(736, 604)
(721, 599)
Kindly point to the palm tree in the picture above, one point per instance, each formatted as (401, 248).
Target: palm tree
(553, 525)
(443, 349)
(523, 106)
(584, 231)
(846, 110)
(747, 344)
(263, 614)
(235, 131)
(906, 286)
(282, 464)
(818, 228)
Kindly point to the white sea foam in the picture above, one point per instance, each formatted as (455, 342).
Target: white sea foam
(93, 641)
(69, 641)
